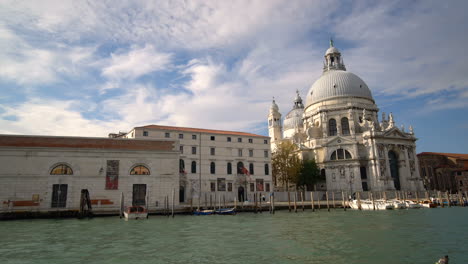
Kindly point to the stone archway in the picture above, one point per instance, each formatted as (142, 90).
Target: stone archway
(394, 170)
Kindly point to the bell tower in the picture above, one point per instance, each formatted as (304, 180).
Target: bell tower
(274, 125)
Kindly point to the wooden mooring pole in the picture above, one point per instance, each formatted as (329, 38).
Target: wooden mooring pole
(173, 200)
(333, 199)
(273, 202)
(289, 201)
(312, 201)
(302, 201)
(359, 200)
(343, 198)
(328, 204)
(295, 203)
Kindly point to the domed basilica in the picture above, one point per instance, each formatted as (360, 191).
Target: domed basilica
(339, 128)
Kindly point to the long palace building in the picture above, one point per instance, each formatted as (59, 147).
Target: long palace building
(146, 166)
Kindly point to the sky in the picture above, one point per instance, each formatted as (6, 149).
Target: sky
(90, 68)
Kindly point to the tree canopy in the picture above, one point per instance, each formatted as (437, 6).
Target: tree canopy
(288, 169)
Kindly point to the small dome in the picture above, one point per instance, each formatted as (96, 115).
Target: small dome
(337, 83)
(274, 107)
(332, 50)
(293, 119)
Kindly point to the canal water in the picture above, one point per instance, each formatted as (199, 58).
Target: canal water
(400, 236)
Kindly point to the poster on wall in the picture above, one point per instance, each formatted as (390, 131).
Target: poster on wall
(259, 183)
(112, 175)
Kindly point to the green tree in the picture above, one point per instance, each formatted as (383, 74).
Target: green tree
(286, 165)
(309, 175)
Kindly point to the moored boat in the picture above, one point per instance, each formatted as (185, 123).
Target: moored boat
(226, 211)
(135, 212)
(428, 204)
(412, 205)
(203, 212)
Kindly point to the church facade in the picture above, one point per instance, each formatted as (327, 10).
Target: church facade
(339, 128)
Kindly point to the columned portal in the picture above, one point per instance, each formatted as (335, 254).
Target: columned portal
(393, 161)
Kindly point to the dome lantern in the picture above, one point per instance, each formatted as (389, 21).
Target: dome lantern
(333, 59)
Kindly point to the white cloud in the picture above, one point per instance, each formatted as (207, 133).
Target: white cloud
(137, 62)
(51, 117)
(26, 64)
(409, 51)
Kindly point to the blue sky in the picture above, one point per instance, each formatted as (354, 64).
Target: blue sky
(84, 68)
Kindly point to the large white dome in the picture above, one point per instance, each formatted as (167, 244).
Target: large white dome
(337, 83)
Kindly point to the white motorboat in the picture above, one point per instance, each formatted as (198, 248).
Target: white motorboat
(397, 204)
(135, 212)
(384, 205)
(412, 205)
(369, 205)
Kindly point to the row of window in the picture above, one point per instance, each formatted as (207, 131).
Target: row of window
(63, 169)
(333, 130)
(220, 186)
(213, 152)
(212, 138)
(240, 168)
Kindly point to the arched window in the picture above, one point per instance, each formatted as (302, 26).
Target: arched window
(212, 168)
(240, 167)
(267, 169)
(344, 126)
(139, 170)
(340, 154)
(194, 167)
(251, 168)
(181, 166)
(332, 127)
(229, 168)
(61, 169)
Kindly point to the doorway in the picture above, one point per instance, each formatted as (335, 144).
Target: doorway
(139, 194)
(181, 194)
(240, 194)
(59, 195)
(393, 160)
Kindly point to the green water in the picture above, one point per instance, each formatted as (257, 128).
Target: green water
(403, 236)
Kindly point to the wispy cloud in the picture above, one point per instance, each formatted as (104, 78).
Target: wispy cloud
(136, 63)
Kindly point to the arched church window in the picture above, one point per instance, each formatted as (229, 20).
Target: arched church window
(344, 126)
(212, 168)
(140, 170)
(194, 167)
(332, 127)
(340, 154)
(229, 168)
(61, 169)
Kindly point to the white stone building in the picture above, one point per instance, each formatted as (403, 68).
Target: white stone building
(45, 173)
(226, 163)
(339, 128)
